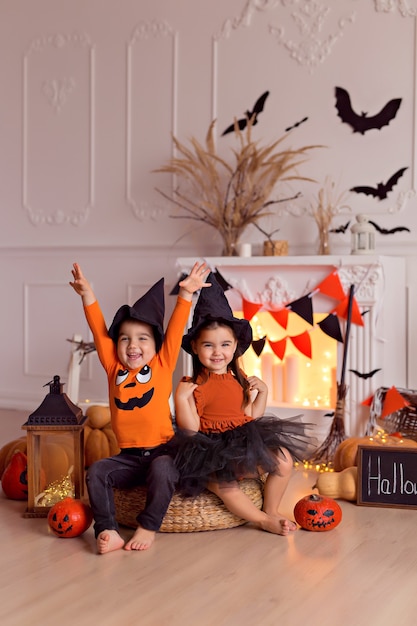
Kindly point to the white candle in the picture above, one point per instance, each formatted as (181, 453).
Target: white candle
(267, 359)
(244, 249)
(278, 382)
(291, 378)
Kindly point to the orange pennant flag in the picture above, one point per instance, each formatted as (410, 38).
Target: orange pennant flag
(342, 311)
(303, 343)
(367, 401)
(250, 308)
(393, 402)
(279, 347)
(331, 286)
(281, 316)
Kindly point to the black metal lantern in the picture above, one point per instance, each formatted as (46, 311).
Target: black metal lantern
(55, 451)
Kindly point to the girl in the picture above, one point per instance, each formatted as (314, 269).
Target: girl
(231, 437)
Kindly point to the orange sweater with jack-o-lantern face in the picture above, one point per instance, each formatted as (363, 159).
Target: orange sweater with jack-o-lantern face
(139, 399)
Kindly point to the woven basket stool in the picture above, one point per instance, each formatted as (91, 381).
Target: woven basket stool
(186, 515)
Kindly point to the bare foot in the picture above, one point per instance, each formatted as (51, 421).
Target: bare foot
(109, 540)
(278, 525)
(141, 540)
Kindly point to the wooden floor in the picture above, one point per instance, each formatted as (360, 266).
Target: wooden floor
(362, 573)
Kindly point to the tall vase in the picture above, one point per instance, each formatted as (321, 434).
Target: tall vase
(324, 244)
(230, 241)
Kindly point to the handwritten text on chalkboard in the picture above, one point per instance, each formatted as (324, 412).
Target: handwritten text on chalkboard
(387, 476)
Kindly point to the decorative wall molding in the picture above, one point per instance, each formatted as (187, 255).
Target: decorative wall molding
(144, 31)
(390, 6)
(313, 47)
(56, 91)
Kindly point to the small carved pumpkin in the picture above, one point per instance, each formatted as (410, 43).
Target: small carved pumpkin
(317, 513)
(69, 518)
(15, 478)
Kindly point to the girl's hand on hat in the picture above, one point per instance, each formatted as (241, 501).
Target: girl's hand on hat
(194, 281)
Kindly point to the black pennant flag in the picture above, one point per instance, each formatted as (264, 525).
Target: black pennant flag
(303, 307)
(330, 325)
(258, 345)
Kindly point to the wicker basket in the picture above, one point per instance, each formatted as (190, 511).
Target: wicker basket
(186, 515)
(403, 421)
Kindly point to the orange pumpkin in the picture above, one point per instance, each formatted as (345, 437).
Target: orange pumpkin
(69, 518)
(317, 513)
(347, 451)
(15, 479)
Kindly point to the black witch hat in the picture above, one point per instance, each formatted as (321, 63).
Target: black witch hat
(149, 309)
(212, 306)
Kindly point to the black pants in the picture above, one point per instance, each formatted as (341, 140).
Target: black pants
(155, 469)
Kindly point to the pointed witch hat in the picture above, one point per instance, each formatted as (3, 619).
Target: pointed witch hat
(149, 309)
(212, 306)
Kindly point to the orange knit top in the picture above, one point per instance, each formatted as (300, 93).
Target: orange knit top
(139, 399)
(218, 402)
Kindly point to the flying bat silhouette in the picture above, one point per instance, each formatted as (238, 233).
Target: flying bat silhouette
(389, 231)
(296, 124)
(367, 375)
(381, 190)
(340, 229)
(362, 123)
(243, 122)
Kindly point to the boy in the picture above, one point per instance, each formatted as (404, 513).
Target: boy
(139, 361)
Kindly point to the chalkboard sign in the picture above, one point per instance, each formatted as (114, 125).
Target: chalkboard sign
(387, 476)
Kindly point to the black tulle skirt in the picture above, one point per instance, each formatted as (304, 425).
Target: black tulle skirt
(247, 450)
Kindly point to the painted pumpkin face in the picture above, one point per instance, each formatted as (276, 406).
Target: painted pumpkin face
(317, 513)
(69, 518)
(126, 381)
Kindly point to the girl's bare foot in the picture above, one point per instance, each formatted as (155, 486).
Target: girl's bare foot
(141, 540)
(278, 525)
(109, 540)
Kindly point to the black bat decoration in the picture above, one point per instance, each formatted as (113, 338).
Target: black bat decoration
(367, 375)
(389, 231)
(243, 122)
(340, 229)
(381, 190)
(362, 123)
(296, 124)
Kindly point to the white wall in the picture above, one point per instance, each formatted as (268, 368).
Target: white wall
(93, 89)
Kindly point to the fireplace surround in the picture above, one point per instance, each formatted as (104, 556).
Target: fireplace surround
(267, 287)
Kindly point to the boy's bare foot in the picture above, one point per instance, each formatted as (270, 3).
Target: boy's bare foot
(109, 540)
(141, 540)
(278, 525)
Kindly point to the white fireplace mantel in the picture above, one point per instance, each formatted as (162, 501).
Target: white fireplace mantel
(380, 291)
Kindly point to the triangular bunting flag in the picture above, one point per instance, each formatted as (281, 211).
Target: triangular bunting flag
(330, 325)
(342, 311)
(303, 343)
(281, 316)
(303, 307)
(250, 308)
(279, 347)
(393, 402)
(367, 401)
(176, 289)
(222, 281)
(331, 286)
(258, 345)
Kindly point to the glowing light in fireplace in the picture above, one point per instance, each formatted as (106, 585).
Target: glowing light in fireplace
(296, 380)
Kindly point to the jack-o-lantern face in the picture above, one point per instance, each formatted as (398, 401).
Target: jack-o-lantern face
(127, 380)
(69, 518)
(317, 513)
(14, 480)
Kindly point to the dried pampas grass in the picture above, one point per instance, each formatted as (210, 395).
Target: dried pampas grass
(230, 197)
